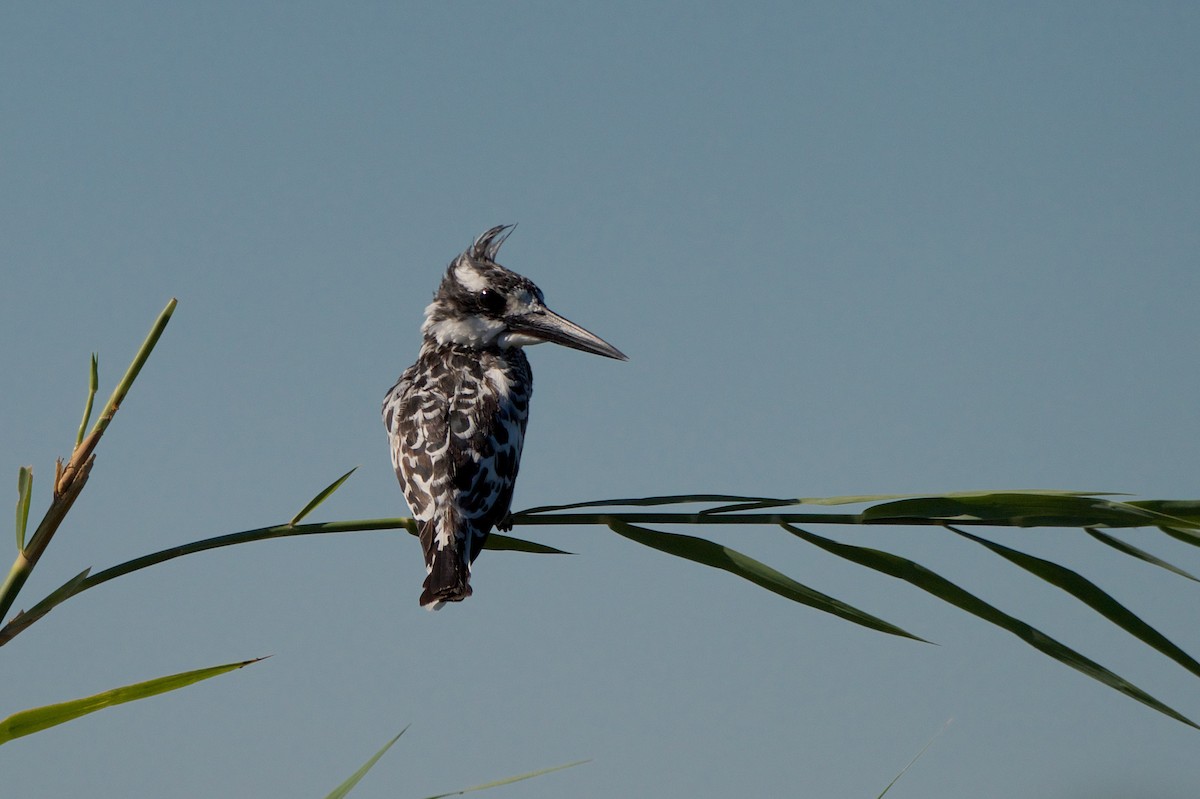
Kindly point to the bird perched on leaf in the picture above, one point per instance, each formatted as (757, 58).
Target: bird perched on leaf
(456, 418)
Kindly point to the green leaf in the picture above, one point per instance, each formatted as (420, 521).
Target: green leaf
(93, 384)
(506, 543)
(343, 789)
(1091, 595)
(717, 556)
(1130, 549)
(24, 490)
(1022, 509)
(25, 618)
(1186, 536)
(510, 780)
(321, 497)
(1186, 509)
(916, 757)
(933, 583)
(37, 719)
(670, 499)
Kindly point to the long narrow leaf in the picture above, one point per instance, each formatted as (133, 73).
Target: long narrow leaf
(498, 542)
(24, 491)
(1186, 509)
(1025, 509)
(762, 504)
(27, 722)
(921, 577)
(916, 757)
(510, 780)
(343, 789)
(321, 497)
(1091, 595)
(506, 543)
(93, 384)
(669, 499)
(59, 595)
(1140, 554)
(699, 550)
(1186, 536)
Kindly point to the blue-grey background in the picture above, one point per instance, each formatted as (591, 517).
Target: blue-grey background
(849, 248)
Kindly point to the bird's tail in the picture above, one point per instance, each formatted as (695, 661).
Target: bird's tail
(449, 579)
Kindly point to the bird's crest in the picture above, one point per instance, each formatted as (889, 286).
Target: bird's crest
(488, 245)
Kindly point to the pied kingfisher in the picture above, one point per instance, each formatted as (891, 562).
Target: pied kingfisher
(456, 418)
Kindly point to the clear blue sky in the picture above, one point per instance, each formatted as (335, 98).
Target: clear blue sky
(849, 248)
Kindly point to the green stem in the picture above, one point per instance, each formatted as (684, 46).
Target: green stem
(139, 360)
(16, 578)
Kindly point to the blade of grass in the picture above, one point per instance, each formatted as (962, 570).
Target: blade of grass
(510, 780)
(933, 583)
(916, 757)
(1186, 536)
(670, 499)
(1187, 509)
(27, 722)
(321, 497)
(497, 542)
(343, 789)
(763, 504)
(61, 594)
(1023, 509)
(506, 543)
(1130, 549)
(708, 553)
(1091, 595)
(24, 491)
(93, 384)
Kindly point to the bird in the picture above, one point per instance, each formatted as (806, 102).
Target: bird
(456, 418)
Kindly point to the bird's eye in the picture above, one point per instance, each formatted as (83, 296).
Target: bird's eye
(492, 301)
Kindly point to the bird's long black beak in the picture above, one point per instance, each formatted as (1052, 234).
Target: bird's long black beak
(545, 325)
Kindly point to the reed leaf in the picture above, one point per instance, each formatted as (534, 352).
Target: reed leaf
(510, 780)
(24, 492)
(1129, 549)
(708, 553)
(916, 757)
(27, 722)
(1022, 509)
(669, 499)
(343, 789)
(93, 384)
(323, 495)
(1186, 536)
(59, 595)
(933, 583)
(1185, 509)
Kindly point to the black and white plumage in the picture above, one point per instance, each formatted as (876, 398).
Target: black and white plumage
(456, 418)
